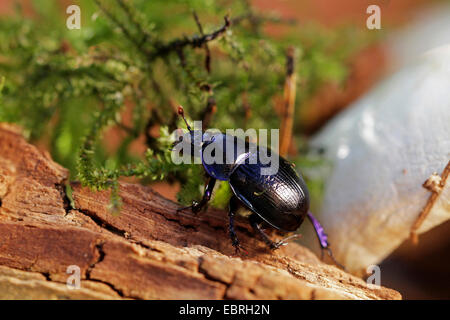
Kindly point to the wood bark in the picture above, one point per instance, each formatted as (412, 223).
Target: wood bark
(148, 251)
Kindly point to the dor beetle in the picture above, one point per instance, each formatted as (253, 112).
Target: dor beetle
(280, 199)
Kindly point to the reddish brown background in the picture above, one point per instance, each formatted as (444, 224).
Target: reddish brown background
(418, 272)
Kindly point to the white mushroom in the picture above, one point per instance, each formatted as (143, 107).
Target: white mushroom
(383, 148)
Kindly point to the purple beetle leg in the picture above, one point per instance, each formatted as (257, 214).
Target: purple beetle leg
(321, 235)
(197, 206)
(323, 239)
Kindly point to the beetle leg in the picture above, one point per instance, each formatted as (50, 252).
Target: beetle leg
(197, 206)
(254, 221)
(323, 239)
(284, 241)
(233, 207)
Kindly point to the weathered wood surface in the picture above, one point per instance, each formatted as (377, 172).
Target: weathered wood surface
(147, 252)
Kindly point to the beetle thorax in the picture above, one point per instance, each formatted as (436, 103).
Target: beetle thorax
(221, 154)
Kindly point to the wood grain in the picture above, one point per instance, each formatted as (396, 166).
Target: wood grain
(149, 251)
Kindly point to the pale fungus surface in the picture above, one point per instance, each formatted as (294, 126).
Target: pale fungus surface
(382, 150)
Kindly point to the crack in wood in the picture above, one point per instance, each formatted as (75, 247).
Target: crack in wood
(115, 252)
(102, 223)
(101, 257)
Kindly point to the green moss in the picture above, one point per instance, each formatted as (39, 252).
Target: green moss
(70, 85)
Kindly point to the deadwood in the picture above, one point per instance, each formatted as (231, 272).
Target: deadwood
(147, 252)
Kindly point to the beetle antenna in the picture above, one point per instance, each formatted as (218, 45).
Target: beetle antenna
(181, 113)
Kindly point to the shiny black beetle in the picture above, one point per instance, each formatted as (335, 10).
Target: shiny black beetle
(280, 199)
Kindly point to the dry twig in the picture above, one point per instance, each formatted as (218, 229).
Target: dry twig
(435, 184)
(289, 103)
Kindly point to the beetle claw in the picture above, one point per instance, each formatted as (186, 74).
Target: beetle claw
(330, 254)
(284, 242)
(183, 208)
(277, 245)
(194, 207)
(238, 248)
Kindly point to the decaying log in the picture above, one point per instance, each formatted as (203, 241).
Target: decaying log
(148, 251)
